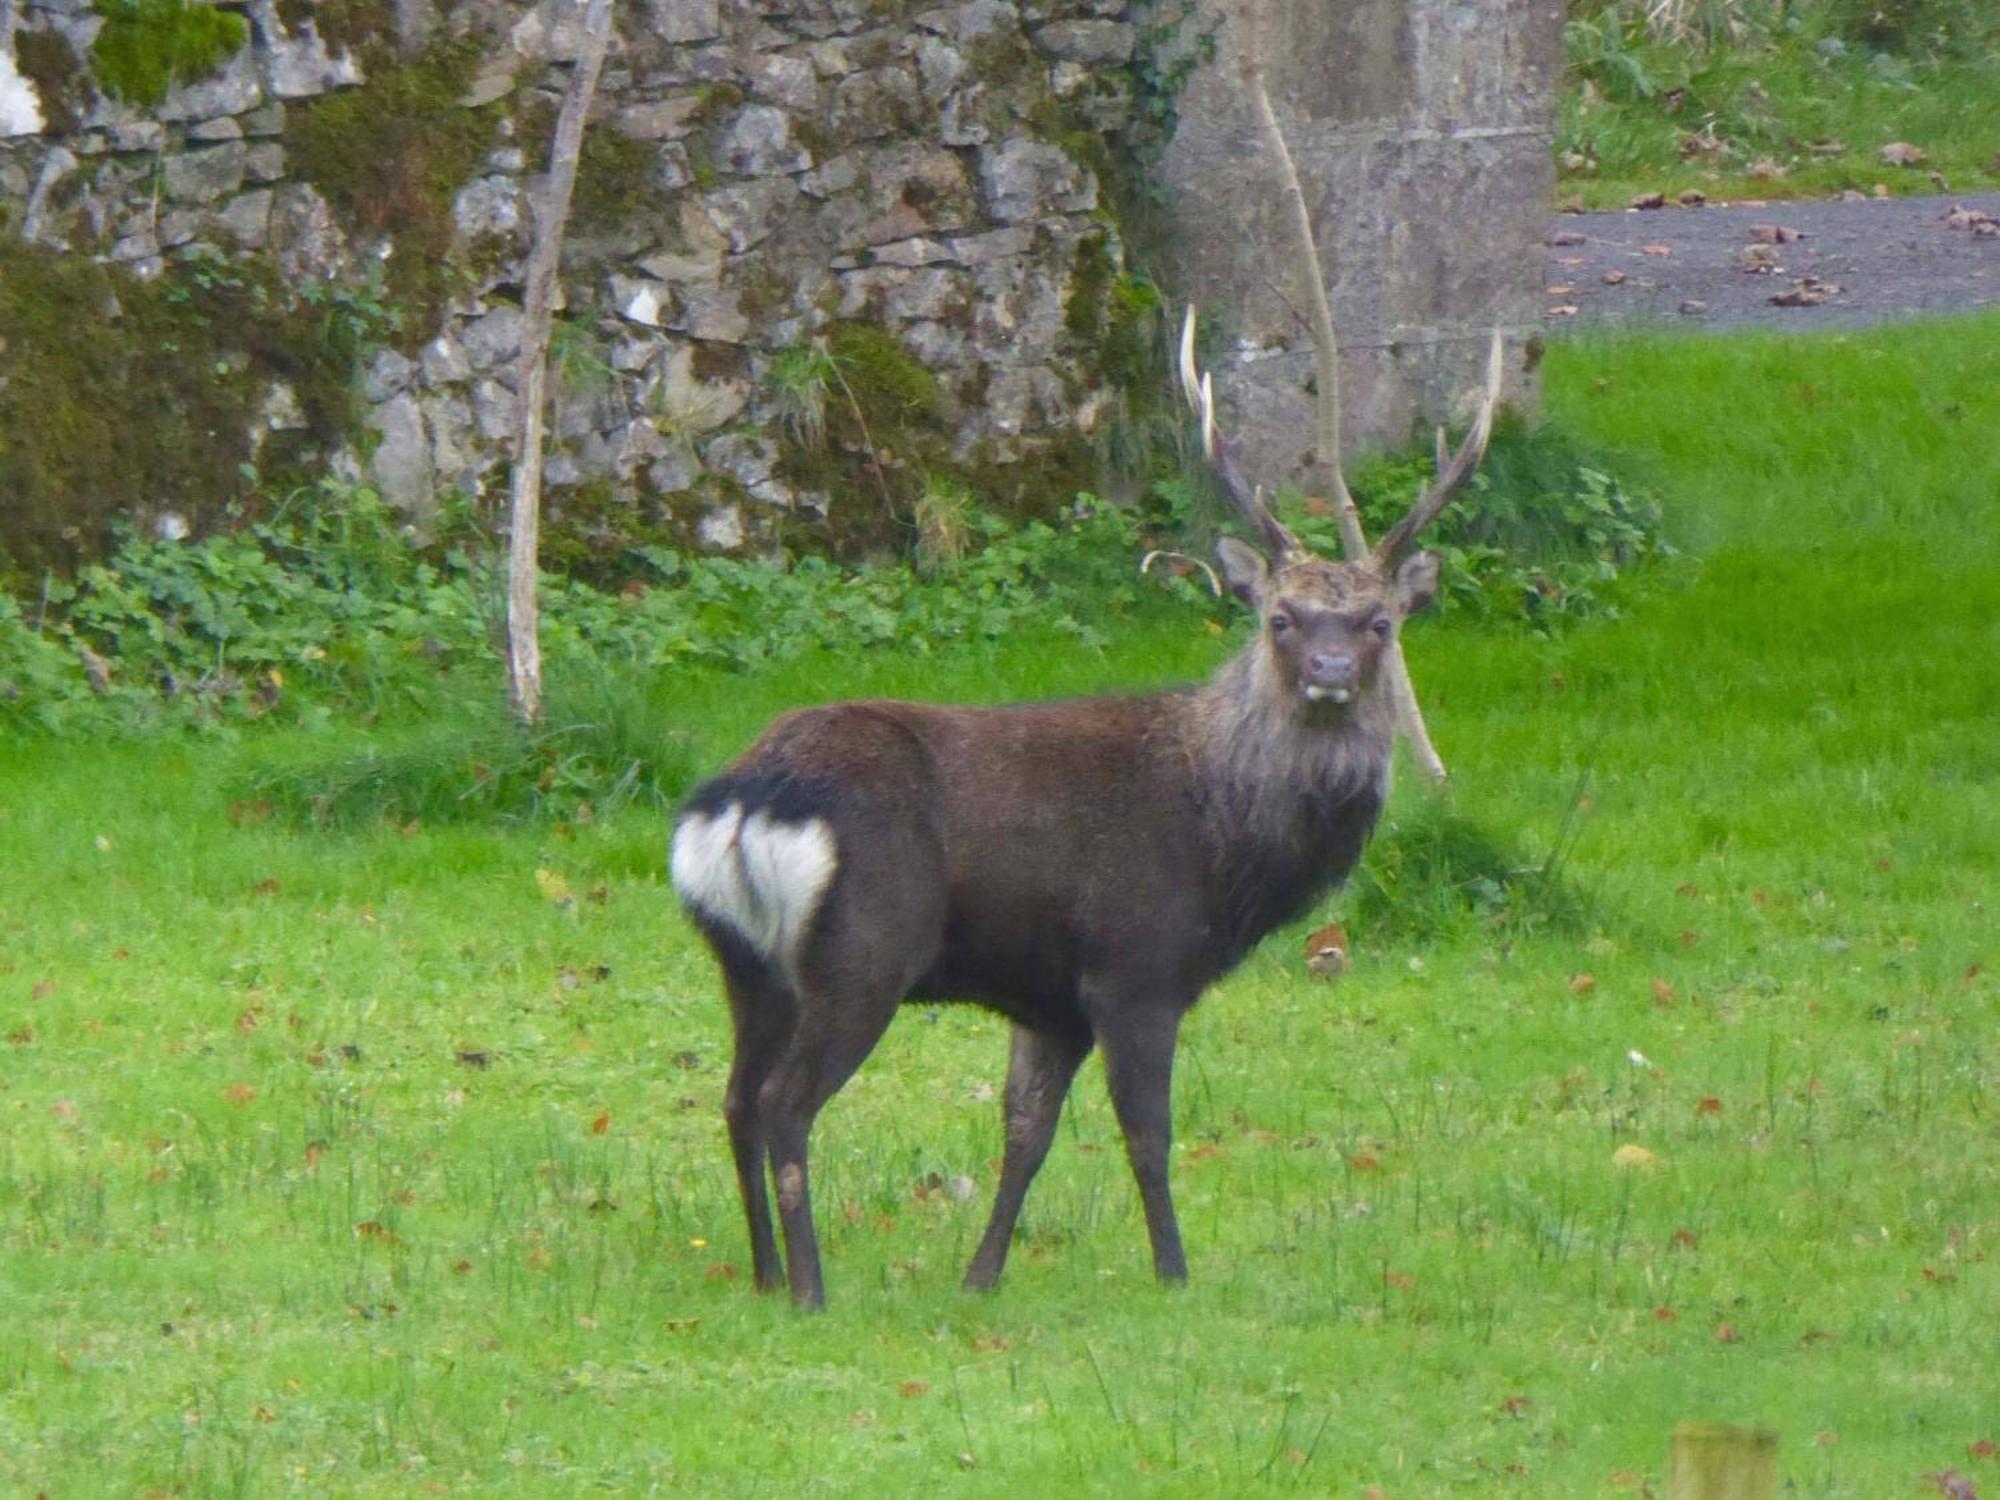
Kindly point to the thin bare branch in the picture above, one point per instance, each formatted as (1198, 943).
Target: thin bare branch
(524, 648)
(1326, 344)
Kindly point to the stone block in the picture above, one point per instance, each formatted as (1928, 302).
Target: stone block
(1023, 178)
(202, 176)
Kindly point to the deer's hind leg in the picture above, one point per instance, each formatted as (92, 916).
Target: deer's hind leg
(879, 933)
(764, 1010)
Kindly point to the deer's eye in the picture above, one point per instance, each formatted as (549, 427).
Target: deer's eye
(1381, 626)
(1280, 624)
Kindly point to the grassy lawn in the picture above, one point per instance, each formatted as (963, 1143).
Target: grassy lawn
(355, 1164)
(1777, 113)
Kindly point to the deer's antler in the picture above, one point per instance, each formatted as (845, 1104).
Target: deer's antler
(1452, 474)
(1198, 390)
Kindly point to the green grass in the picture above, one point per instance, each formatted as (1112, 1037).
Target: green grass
(355, 1164)
(1775, 117)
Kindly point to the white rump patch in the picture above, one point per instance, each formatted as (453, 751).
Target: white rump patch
(762, 877)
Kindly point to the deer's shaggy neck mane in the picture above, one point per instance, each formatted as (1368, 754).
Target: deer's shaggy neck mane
(1274, 766)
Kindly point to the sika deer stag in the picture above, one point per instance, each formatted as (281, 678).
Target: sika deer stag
(1086, 868)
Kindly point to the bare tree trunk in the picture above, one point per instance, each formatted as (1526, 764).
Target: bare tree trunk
(1326, 361)
(524, 644)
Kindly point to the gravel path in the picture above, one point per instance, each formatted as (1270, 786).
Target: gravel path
(1891, 259)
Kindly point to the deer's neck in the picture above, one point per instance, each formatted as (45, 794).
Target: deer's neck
(1273, 760)
(1290, 795)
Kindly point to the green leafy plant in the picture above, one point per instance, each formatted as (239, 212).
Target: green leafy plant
(1542, 533)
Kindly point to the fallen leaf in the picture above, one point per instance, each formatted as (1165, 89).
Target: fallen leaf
(1650, 200)
(1582, 984)
(1807, 291)
(1656, 249)
(240, 1093)
(1726, 1333)
(911, 1388)
(1663, 993)
(1692, 198)
(1708, 1105)
(602, 1124)
(1633, 1158)
(1694, 306)
(1560, 290)
(1614, 278)
(1954, 1485)
(1326, 952)
(1563, 310)
(1664, 1315)
(1766, 170)
(1567, 237)
(1686, 1239)
(1903, 154)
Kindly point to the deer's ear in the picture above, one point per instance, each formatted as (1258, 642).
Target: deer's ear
(1245, 570)
(1417, 582)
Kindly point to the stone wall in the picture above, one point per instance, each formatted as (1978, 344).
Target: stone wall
(917, 186)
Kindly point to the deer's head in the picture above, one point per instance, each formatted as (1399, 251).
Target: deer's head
(1325, 627)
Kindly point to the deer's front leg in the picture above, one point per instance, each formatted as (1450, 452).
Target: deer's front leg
(1138, 1041)
(1038, 1078)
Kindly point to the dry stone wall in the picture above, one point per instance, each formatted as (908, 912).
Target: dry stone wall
(918, 186)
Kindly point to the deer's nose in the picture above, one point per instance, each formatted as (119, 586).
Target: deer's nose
(1333, 669)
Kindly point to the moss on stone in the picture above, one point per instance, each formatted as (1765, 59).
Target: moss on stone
(389, 157)
(615, 174)
(145, 47)
(892, 387)
(363, 29)
(590, 532)
(46, 59)
(155, 407)
(1091, 273)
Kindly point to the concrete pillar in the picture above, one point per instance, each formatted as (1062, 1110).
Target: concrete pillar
(1422, 130)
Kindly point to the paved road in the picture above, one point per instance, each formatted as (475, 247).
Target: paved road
(1891, 259)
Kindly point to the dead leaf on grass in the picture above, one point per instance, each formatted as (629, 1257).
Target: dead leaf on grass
(1903, 154)
(1650, 200)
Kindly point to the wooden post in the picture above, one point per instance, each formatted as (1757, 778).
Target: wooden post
(1708, 1461)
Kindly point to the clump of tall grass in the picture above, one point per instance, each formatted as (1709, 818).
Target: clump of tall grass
(1432, 873)
(604, 744)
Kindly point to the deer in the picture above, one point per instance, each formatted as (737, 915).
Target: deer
(1086, 868)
